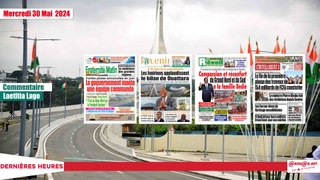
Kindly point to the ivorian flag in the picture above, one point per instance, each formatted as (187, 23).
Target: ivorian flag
(80, 86)
(250, 52)
(34, 60)
(241, 51)
(64, 85)
(284, 48)
(308, 62)
(257, 49)
(314, 57)
(277, 47)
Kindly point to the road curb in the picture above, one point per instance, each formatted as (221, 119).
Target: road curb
(114, 145)
(218, 176)
(41, 152)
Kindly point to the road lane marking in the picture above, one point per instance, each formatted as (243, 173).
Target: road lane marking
(196, 177)
(94, 138)
(87, 159)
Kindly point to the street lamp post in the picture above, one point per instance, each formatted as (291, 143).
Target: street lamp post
(50, 107)
(23, 109)
(24, 79)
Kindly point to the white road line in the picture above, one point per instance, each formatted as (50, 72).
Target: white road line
(87, 159)
(120, 172)
(196, 177)
(94, 138)
(50, 177)
(134, 161)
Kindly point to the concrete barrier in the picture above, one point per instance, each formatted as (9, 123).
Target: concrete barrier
(115, 142)
(233, 144)
(43, 110)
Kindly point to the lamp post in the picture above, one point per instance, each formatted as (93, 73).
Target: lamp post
(23, 109)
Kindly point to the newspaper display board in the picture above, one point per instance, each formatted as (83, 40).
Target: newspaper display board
(222, 89)
(279, 89)
(165, 89)
(110, 89)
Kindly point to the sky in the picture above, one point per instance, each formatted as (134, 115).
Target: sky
(127, 27)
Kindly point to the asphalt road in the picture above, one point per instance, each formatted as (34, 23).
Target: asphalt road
(76, 141)
(9, 141)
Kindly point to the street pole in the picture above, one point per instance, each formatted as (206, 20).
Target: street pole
(39, 118)
(205, 142)
(145, 136)
(271, 152)
(152, 138)
(168, 138)
(34, 108)
(33, 123)
(36, 120)
(81, 101)
(24, 79)
(50, 108)
(65, 103)
(2, 108)
(223, 133)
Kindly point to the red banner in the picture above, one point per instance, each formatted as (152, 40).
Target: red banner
(175, 166)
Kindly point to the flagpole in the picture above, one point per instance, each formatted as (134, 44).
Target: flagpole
(81, 100)
(205, 142)
(33, 123)
(50, 94)
(39, 106)
(65, 103)
(39, 103)
(145, 135)
(36, 121)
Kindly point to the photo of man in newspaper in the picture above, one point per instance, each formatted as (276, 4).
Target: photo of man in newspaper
(183, 118)
(207, 90)
(165, 102)
(158, 117)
